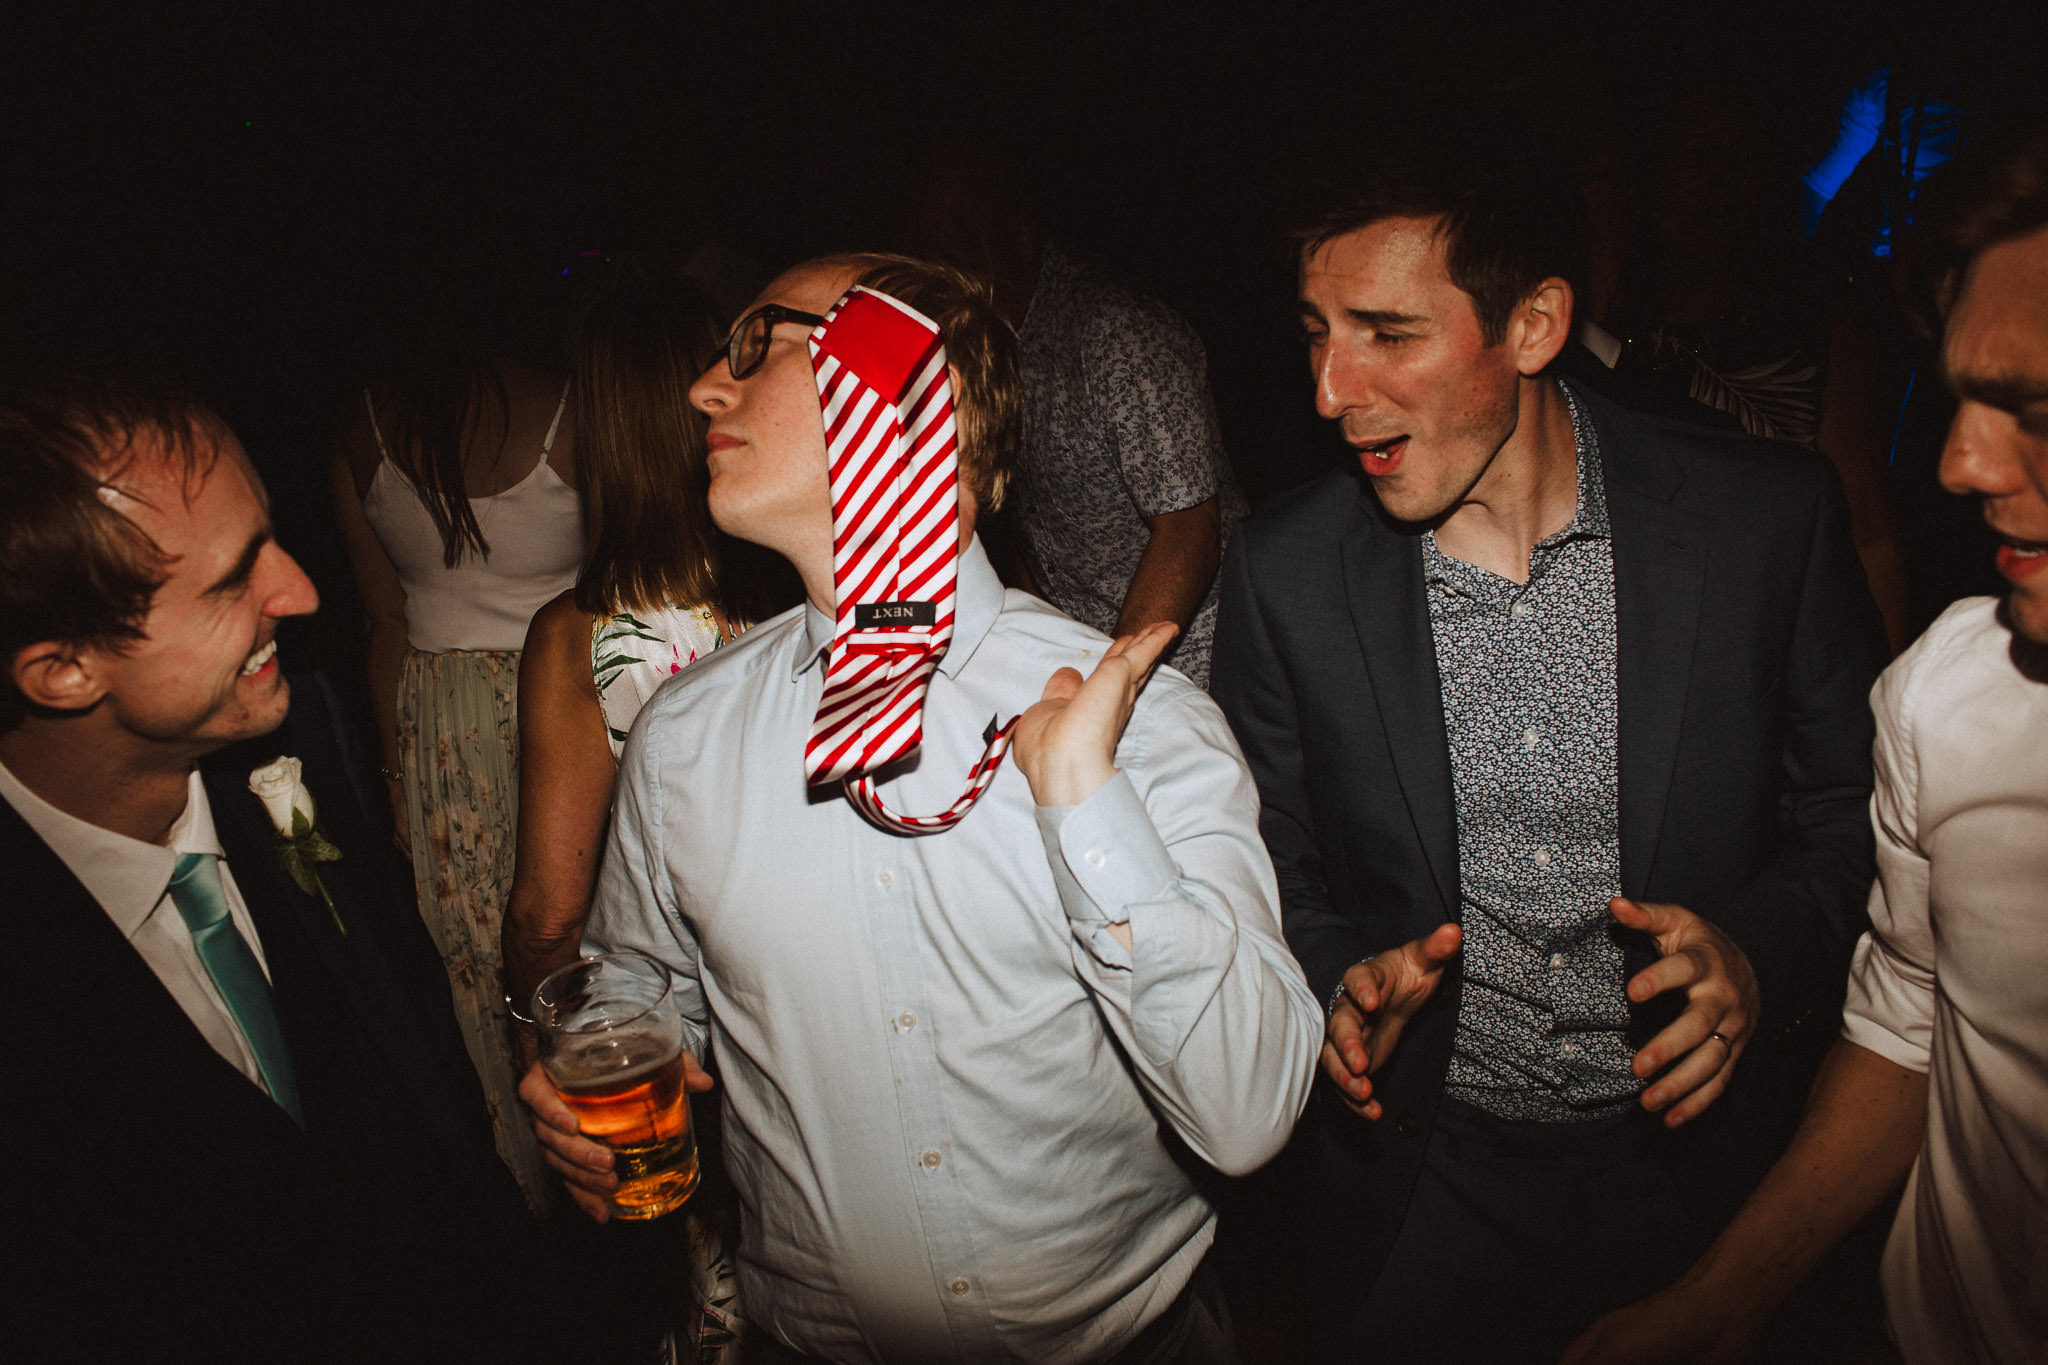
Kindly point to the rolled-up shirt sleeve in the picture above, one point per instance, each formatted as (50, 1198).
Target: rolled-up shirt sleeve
(1890, 1005)
(1209, 1005)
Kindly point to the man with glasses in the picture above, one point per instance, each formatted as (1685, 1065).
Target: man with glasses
(968, 1060)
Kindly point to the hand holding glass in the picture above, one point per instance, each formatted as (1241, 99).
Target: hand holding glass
(612, 1042)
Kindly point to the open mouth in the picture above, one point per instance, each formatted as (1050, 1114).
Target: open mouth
(259, 659)
(2020, 558)
(1384, 451)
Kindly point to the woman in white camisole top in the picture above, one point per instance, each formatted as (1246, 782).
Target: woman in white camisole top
(455, 493)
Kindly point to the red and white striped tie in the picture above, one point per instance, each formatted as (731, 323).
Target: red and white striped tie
(894, 461)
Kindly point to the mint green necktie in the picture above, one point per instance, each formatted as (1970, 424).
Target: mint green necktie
(196, 891)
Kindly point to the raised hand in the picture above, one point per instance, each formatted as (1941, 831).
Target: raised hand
(585, 1166)
(1065, 745)
(1720, 1014)
(1379, 997)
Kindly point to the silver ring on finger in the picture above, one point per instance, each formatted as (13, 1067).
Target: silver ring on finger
(1722, 1039)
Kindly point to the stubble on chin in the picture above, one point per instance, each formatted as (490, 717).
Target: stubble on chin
(2029, 627)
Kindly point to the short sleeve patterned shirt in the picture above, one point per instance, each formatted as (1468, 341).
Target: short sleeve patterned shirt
(1528, 678)
(1119, 426)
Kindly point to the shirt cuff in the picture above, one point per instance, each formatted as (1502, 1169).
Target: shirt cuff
(1106, 856)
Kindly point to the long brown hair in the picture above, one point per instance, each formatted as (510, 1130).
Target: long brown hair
(436, 410)
(640, 449)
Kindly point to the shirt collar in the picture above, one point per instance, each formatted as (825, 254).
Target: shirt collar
(1590, 516)
(977, 601)
(126, 876)
(1056, 270)
(1589, 513)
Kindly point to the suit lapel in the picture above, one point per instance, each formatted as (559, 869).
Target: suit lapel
(329, 982)
(1390, 611)
(120, 1008)
(1660, 562)
(308, 959)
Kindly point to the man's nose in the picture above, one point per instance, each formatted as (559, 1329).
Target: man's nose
(290, 592)
(712, 392)
(1976, 457)
(1342, 383)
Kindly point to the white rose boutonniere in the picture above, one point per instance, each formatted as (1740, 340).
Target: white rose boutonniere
(300, 845)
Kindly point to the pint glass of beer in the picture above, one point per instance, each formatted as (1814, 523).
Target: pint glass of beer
(612, 1042)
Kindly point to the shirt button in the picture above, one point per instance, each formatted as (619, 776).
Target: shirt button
(1531, 737)
(906, 1021)
(931, 1161)
(1520, 610)
(1093, 857)
(1556, 960)
(1567, 1049)
(1542, 857)
(959, 1286)
(885, 878)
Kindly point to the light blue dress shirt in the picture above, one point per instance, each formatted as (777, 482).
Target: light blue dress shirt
(948, 1087)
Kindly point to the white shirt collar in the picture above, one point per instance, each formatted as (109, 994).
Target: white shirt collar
(978, 600)
(126, 876)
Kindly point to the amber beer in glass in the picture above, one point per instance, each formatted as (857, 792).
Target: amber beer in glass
(612, 1043)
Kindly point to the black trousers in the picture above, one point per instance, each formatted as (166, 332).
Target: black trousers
(1518, 1236)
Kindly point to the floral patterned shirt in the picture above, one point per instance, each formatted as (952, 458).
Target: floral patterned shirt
(631, 655)
(1527, 672)
(1118, 426)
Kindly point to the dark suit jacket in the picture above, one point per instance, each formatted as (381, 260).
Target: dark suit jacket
(168, 1209)
(1748, 644)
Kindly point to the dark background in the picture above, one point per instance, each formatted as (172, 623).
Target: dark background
(252, 196)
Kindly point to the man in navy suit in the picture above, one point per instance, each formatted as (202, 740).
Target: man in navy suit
(245, 1129)
(1558, 719)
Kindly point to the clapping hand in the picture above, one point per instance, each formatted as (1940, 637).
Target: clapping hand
(1066, 743)
(1379, 996)
(1702, 1045)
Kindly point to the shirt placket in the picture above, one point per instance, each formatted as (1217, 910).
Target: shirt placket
(912, 1018)
(1537, 755)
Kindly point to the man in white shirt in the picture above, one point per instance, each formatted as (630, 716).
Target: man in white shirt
(963, 1074)
(1940, 1077)
(205, 1043)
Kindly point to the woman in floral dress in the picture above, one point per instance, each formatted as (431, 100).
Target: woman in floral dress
(656, 594)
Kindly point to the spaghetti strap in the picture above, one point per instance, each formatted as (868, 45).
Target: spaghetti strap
(375, 430)
(548, 444)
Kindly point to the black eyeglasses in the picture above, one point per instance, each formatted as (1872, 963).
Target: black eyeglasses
(747, 347)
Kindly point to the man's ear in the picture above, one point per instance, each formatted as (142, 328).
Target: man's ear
(58, 676)
(1542, 325)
